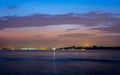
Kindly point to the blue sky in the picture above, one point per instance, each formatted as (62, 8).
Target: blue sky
(29, 7)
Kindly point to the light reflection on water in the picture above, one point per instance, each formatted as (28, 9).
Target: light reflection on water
(60, 62)
(54, 63)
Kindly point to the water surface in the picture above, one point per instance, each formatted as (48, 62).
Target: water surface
(89, 62)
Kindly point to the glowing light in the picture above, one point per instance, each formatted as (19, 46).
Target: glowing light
(28, 48)
(12, 48)
(87, 45)
(24, 48)
(82, 49)
(54, 48)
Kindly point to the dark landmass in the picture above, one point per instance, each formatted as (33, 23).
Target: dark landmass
(90, 48)
(75, 48)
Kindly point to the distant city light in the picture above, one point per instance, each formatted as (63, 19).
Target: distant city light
(28, 48)
(82, 49)
(87, 45)
(54, 48)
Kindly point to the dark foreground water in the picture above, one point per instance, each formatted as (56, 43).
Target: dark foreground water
(60, 62)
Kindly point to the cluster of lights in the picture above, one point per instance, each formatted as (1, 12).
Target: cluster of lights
(28, 48)
(38, 48)
(54, 48)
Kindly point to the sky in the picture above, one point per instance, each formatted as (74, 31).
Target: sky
(59, 23)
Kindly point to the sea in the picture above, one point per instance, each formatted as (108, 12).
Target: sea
(59, 62)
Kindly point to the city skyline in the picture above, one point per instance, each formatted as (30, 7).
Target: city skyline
(59, 23)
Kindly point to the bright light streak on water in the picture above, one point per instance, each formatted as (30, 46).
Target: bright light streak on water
(54, 63)
(54, 55)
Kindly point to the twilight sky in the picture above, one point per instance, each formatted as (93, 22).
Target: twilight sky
(58, 23)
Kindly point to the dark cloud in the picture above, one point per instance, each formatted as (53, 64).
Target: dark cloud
(77, 35)
(71, 29)
(88, 19)
(6, 10)
(112, 29)
(12, 7)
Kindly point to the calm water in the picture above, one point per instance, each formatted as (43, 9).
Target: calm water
(60, 62)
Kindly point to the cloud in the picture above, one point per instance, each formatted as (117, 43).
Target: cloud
(111, 29)
(12, 7)
(76, 35)
(6, 10)
(71, 29)
(89, 19)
